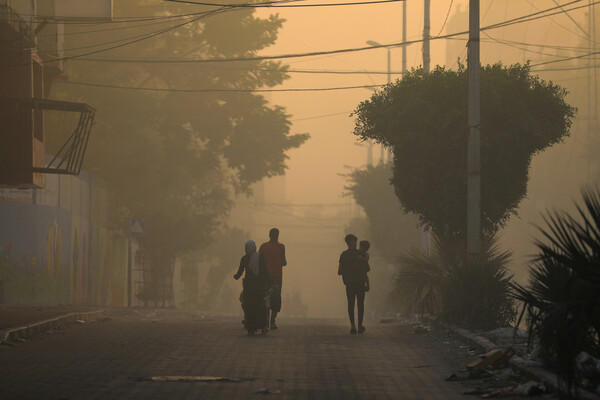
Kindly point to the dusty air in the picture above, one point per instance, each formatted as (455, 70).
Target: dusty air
(299, 199)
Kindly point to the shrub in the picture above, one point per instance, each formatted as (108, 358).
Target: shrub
(561, 301)
(475, 295)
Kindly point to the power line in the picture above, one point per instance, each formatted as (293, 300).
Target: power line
(525, 18)
(446, 19)
(548, 46)
(139, 39)
(272, 5)
(519, 47)
(220, 90)
(566, 59)
(116, 20)
(537, 15)
(282, 70)
(577, 68)
(518, 20)
(141, 36)
(118, 28)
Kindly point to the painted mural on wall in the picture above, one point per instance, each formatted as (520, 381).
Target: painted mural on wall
(57, 248)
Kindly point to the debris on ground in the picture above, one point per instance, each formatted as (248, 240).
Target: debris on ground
(80, 321)
(534, 359)
(420, 329)
(531, 388)
(178, 378)
(589, 371)
(493, 359)
(509, 336)
(499, 393)
(266, 391)
(528, 389)
(508, 332)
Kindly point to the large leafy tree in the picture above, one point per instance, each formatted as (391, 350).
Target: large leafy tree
(423, 118)
(391, 229)
(176, 157)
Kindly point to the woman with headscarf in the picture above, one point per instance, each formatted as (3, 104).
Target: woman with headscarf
(256, 286)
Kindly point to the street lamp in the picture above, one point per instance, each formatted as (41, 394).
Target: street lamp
(389, 59)
(369, 151)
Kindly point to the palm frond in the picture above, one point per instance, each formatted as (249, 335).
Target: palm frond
(561, 297)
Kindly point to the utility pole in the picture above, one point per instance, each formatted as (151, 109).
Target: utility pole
(426, 36)
(403, 38)
(425, 229)
(474, 147)
(390, 155)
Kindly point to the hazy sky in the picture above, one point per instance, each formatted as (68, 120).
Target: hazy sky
(314, 168)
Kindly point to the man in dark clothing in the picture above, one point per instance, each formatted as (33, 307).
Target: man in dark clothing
(353, 270)
(274, 254)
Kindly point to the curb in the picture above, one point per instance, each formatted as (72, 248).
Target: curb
(550, 379)
(28, 331)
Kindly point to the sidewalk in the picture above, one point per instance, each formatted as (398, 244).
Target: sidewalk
(15, 315)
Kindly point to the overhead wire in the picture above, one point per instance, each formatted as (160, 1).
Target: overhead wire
(446, 19)
(525, 18)
(499, 41)
(556, 22)
(137, 40)
(522, 19)
(493, 26)
(116, 20)
(566, 59)
(277, 5)
(219, 90)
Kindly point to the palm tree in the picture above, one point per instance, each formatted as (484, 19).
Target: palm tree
(474, 295)
(561, 300)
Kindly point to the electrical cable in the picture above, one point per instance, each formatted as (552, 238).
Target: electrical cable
(519, 47)
(525, 18)
(139, 39)
(270, 5)
(52, 19)
(446, 19)
(566, 59)
(522, 19)
(233, 90)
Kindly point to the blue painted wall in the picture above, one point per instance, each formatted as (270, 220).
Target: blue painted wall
(56, 247)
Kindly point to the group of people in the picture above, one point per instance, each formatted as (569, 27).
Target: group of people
(261, 295)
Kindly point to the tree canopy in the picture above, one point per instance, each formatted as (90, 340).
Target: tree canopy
(423, 117)
(391, 229)
(176, 157)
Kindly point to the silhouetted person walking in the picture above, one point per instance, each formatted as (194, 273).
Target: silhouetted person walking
(274, 253)
(256, 286)
(353, 268)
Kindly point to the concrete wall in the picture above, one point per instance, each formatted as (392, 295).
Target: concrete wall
(56, 246)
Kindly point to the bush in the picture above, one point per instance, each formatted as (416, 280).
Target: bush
(561, 301)
(475, 295)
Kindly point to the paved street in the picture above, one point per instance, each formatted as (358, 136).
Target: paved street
(304, 359)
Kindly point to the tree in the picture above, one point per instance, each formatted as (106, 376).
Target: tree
(423, 118)
(175, 158)
(391, 229)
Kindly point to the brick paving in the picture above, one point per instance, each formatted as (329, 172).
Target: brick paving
(304, 359)
(12, 316)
